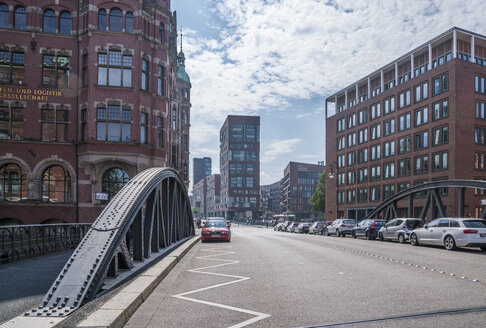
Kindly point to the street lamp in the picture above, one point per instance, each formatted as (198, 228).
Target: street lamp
(331, 175)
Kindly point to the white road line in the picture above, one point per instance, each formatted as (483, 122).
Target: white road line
(258, 316)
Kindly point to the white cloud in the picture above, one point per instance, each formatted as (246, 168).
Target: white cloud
(299, 116)
(272, 150)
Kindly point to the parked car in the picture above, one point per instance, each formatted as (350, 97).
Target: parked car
(285, 225)
(452, 233)
(302, 228)
(215, 230)
(340, 227)
(278, 226)
(368, 228)
(399, 229)
(316, 228)
(291, 227)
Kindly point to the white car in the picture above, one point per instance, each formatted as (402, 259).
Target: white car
(340, 227)
(451, 233)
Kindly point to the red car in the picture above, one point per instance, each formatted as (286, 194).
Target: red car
(216, 230)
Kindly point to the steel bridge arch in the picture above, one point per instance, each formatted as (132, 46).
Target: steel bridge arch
(147, 218)
(433, 199)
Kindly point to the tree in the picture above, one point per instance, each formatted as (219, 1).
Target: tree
(318, 198)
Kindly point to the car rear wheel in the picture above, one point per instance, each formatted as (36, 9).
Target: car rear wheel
(401, 239)
(413, 240)
(380, 236)
(337, 233)
(449, 243)
(353, 234)
(367, 235)
(326, 232)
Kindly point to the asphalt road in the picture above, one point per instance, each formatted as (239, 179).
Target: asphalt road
(274, 279)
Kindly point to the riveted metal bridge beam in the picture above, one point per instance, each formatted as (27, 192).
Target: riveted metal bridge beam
(147, 218)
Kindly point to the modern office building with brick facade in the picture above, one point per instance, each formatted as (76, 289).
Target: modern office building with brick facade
(91, 93)
(270, 198)
(418, 119)
(298, 185)
(240, 167)
(201, 168)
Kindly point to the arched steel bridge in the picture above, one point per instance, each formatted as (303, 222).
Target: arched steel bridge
(433, 201)
(147, 218)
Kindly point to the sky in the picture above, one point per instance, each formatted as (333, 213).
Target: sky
(280, 59)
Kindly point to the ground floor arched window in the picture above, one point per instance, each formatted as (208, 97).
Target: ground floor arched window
(113, 180)
(13, 185)
(56, 185)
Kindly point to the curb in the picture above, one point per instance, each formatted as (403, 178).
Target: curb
(116, 312)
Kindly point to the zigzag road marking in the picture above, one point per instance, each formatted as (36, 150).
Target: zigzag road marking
(258, 316)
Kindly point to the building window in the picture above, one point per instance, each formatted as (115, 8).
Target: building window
(56, 185)
(160, 80)
(351, 196)
(114, 124)
(84, 124)
(11, 67)
(352, 139)
(143, 128)
(389, 127)
(480, 110)
(375, 111)
(363, 136)
(251, 156)
(363, 175)
(115, 69)
(405, 122)
(404, 168)
(388, 191)
(441, 135)
(185, 142)
(479, 84)
(13, 184)
(160, 132)
(419, 194)
(49, 21)
(421, 92)
(340, 196)
(341, 125)
(249, 182)
(362, 155)
(351, 158)
(351, 121)
(421, 116)
(55, 124)
(145, 74)
(362, 195)
(375, 173)
(4, 15)
(19, 18)
(441, 84)
(162, 33)
(55, 70)
(441, 109)
(129, 22)
(421, 140)
(389, 170)
(341, 143)
(389, 148)
(375, 131)
(102, 20)
(479, 161)
(375, 152)
(116, 20)
(403, 185)
(441, 161)
(479, 136)
(65, 23)
(363, 116)
(375, 194)
(85, 70)
(404, 99)
(421, 164)
(11, 123)
(250, 130)
(341, 159)
(404, 145)
(389, 105)
(113, 180)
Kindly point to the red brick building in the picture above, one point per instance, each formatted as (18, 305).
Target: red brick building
(418, 119)
(91, 93)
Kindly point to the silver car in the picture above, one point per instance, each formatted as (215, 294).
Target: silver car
(340, 227)
(452, 233)
(398, 229)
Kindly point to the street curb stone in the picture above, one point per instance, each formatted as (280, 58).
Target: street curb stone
(116, 312)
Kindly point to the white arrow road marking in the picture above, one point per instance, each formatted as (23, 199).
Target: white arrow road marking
(258, 316)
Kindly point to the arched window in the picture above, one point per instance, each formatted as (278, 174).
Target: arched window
(65, 23)
(13, 185)
(19, 18)
(49, 21)
(113, 180)
(116, 20)
(56, 185)
(129, 22)
(102, 20)
(4, 15)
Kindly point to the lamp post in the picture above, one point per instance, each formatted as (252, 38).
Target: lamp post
(331, 176)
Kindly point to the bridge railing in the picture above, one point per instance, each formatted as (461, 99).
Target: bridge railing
(23, 241)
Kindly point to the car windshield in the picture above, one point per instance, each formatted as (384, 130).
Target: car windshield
(474, 224)
(216, 223)
(380, 222)
(348, 221)
(413, 224)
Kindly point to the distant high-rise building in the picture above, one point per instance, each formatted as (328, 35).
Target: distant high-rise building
(270, 198)
(202, 168)
(240, 167)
